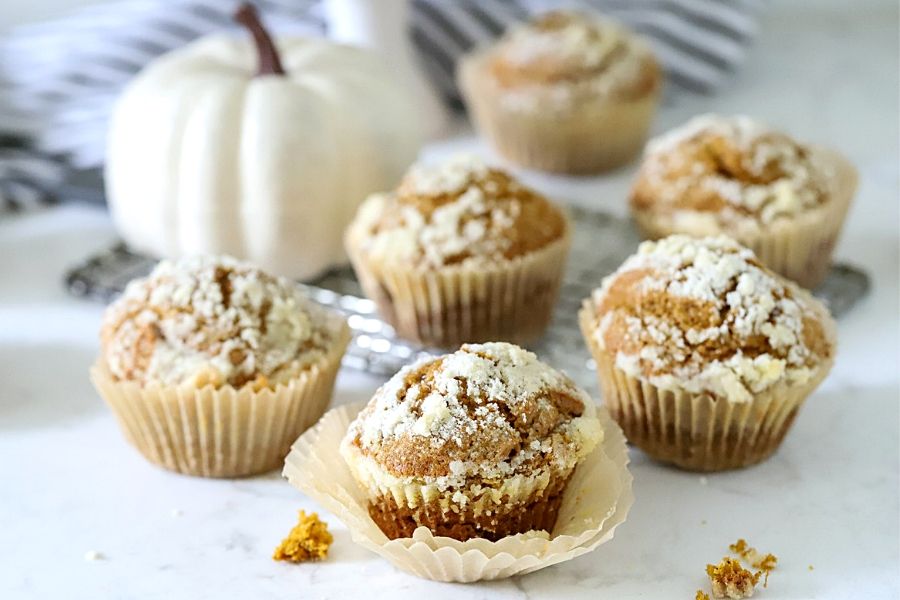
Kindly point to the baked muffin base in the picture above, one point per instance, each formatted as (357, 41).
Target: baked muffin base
(512, 301)
(697, 432)
(538, 512)
(220, 432)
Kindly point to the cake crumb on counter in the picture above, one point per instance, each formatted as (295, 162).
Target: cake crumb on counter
(758, 560)
(308, 540)
(730, 580)
(701, 595)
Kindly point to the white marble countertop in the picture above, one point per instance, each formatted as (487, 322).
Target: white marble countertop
(826, 504)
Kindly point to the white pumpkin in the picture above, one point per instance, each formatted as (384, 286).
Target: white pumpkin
(208, 156)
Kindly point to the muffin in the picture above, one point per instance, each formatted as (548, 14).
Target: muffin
(731, 175)
(213, 367)
(704, 356)
(460, 252)
(567, 93)
(479, 443)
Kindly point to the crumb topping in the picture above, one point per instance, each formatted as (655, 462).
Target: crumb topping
(214, 321)
(460, 212)
(730, 580)
(733, 170)
(487, 411)
(706, 316)
(309, 540)
(564, 51)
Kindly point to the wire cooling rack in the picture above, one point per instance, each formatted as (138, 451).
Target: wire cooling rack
(600, 243)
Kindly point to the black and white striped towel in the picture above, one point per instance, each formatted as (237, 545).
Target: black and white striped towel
(59, 79)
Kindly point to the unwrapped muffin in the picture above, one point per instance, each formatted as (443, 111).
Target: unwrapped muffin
(460, 252)
(479, 443)
(705, 356)
(785, 200)
(569, 93)
(214, 367)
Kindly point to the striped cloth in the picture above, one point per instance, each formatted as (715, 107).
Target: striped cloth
(58, 79)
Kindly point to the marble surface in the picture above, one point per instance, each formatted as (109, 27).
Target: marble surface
(826, 504)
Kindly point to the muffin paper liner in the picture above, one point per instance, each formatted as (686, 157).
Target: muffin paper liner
(224, 432)
(696, 431)
(596, 501)
(799, 248)
(512, 301)
(595, 134)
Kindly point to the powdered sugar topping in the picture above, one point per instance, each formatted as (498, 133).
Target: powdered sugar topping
(568, 55)
(479, 394)
(737, 305)
(764, 176)
(457, 212)
(213, 320)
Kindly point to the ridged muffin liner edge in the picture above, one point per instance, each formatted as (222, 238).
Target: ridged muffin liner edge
(594, 135)
(596, 501)
(511, 301)
(220, 432)
(697, 431)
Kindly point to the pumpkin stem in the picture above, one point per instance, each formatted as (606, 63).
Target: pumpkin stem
(269, 61)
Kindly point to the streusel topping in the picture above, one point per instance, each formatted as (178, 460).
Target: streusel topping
(562, 49)
(487, 411)
(458, 212)
(216, 321)
(706, 315)
(732, 169)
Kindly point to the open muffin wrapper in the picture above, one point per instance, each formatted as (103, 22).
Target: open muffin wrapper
(799, 248)
(511, 301)
(697, 431)
(595, 134)
(596, 501)
(220, 432)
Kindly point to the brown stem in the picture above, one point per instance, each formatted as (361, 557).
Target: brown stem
(269, 61)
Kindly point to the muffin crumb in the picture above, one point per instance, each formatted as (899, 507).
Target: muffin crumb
(730, 580)
(765, 562)
(701, 595)
(308, 540)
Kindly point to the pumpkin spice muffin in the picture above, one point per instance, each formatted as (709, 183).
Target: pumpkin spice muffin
(479, 443)
(569, 93)
(460, 252)
(705, 356)
(785, 200)
(214, 367)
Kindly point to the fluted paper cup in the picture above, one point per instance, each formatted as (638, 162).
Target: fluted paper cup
(696, 431)
(596, 501)
(220, 432)
(512, 301)
(799, 248)
(595, 134)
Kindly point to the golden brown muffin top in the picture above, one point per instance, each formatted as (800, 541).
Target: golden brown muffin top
(460, 212)
(214, 320)
(564, 48)
(732, 169)
(705, 315)
(486, 410)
